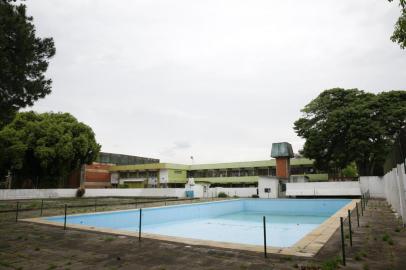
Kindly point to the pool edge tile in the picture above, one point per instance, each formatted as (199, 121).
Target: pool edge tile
(308, 246)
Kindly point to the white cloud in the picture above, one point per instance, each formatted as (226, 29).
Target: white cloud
(227, 77)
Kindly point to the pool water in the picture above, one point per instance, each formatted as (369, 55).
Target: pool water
(233, 221)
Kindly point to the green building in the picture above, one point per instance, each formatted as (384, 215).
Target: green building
(234, 174)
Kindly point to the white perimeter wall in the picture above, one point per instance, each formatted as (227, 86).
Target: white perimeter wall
(374, 184)
(391, 186)
(344, 188)
(239, 192)
(15, 194)
(272, 184)
(136, 192)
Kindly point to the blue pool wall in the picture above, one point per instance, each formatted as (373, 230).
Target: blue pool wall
(314, 207)
(130, 218)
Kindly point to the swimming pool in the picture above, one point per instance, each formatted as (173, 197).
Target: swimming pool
(238, 222)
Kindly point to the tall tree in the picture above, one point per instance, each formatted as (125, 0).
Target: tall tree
(23, 61)
(344, 126)
(40, 150)
(399, 34)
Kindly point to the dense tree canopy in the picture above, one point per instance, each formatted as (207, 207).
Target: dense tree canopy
(344, 126)
(42, 149)
(399, 34)
(23, 61)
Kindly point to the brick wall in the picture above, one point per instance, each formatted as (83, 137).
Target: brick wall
(97, 175)
(282, 167)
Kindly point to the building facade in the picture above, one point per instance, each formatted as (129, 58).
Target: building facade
(234, 174)
(97, 174)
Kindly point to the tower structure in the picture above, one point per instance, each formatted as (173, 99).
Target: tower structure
(282, 152)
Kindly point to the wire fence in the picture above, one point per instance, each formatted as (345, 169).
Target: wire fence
(350, 223)
(51, 207)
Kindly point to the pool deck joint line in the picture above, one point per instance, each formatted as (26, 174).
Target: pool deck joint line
(308, 246)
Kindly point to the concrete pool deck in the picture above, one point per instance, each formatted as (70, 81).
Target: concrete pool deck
(308, 246)
(26, 245)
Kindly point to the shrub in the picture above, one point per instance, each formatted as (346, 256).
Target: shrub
(108, 238)
(255, 196)
(385, 237)
(331, 264)
(390, 242)
(222, 195)
(80, 192)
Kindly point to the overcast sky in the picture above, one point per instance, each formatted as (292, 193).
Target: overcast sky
(220, 80)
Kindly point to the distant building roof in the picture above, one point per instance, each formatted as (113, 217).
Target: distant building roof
(213, 166)
(120, 159)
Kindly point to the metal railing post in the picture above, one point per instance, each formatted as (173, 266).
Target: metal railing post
(342, 240)
(64, 222)
(356, 205)
(139, 225)
(367, 196)
(42, 206)
(264, 224)
(365, 201)
(349, 225)
(17, 208)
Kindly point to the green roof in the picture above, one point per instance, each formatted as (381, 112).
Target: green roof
(226, 180)
(248, 164)
(177, 181)
(300, 161)
(211, 166)
(315, 177)
(151, 166)
(236, 165)
(243, 179)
